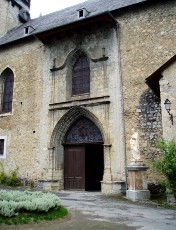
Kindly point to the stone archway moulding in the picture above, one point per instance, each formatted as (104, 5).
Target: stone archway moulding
(56, 172)
(61, 128)
(68, 119)
(71, 57)
(75, 53)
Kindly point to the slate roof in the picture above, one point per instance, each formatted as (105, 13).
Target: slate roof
(65, 17)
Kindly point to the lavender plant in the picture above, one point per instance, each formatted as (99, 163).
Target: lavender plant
(11, 202)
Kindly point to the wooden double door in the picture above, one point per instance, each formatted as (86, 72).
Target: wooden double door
(83, 167)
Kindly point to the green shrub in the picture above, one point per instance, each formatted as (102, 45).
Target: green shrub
(2, 178)
(2, 174)
(12, 202)
(167, 164)
(156, 189)
(10, 180)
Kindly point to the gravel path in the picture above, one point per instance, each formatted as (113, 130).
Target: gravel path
(92, 210)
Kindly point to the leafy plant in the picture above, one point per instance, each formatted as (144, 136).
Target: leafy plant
(167, 164)
(2, 174)
(11, 179)
(12, 202)
(156, 189)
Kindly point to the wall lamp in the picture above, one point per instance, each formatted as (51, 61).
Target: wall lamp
(167, 105)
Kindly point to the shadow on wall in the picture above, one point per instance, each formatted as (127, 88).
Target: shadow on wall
(149, 124)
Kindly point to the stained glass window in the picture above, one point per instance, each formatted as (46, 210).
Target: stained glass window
(83, 131)
(81, 76)
(6, 91)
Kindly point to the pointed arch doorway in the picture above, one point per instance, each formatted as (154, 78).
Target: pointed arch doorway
(83, 156)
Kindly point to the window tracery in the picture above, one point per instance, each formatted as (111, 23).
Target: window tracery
(81, 76)
(83, 131)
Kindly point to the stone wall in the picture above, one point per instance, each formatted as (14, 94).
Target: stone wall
(104, 100)
(8, 16)
(146, 42)
(23, 126)
(168, 91)
(149, 125)
(43, 101)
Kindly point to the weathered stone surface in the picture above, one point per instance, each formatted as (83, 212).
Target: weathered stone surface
(137, 181)
(8, 17)
(25, 148)
(44, 108)
(146, 44)
(138, 195)
(167, 86)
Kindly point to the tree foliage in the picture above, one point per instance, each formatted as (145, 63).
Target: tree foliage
(167, 164)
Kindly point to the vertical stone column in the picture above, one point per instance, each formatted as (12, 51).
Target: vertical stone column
(50, 183)
(50, 163)
(108, 186)
(107, 163)
(137, 183)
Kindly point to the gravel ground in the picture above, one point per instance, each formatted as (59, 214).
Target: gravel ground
(93, 210)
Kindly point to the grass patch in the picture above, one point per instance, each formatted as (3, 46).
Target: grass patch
(160, 201)
(120, 197)
(157, 201)
(35, 217)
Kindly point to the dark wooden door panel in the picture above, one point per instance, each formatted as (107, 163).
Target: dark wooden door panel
(74, 168)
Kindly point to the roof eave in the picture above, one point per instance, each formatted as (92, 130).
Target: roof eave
(65, 27)
(153, 80)
(76, 24)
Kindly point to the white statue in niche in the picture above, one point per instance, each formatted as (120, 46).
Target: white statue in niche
(134, 142)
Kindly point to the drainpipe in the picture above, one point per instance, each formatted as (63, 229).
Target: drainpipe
(117, 29)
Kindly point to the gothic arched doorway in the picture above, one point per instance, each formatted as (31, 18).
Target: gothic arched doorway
(83, 156)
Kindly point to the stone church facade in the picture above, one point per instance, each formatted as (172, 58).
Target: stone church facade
(73, 85)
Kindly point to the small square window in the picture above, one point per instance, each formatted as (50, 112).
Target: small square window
(3, 147)
(81, 13)
(26, 30)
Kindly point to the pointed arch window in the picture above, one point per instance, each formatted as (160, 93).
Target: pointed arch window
(81, 76)
(6, 91)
